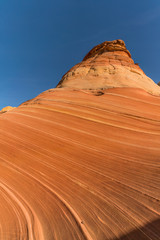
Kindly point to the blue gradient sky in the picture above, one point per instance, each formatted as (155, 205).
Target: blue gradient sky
(42, 39)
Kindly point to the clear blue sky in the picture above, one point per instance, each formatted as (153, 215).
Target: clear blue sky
(42, 39)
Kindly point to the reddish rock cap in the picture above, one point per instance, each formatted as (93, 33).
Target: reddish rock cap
(108, 46)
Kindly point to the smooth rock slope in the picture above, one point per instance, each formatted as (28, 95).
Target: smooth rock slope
(81, 164)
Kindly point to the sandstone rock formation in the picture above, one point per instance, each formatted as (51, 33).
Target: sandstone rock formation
(81, 164)
(6, 109)
(106, 66)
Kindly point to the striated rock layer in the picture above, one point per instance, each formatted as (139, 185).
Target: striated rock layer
(106, 66)
(81, 165)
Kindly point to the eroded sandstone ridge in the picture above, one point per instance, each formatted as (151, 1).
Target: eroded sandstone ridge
(79, 164)
(106, 66)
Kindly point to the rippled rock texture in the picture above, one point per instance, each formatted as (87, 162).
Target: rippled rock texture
(106, 66)
(81, 164)
(82, 161)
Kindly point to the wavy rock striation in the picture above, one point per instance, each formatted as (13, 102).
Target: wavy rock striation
(81, 164)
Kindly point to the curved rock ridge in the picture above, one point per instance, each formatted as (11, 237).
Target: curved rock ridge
(108, 46)
(81, 165)
(108, 65)
(6, 109)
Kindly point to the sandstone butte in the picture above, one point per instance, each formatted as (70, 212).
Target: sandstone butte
(82, 161)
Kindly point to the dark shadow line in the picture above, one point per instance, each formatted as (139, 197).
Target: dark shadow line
(150, 231)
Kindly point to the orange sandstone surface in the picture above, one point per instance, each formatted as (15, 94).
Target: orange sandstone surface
(81, 164)
(6, 109)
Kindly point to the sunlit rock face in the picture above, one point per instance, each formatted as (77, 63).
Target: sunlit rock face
(79, 164)
(6, 109)
(106, 66)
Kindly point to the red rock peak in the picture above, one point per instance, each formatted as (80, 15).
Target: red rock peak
(108, 65)
(108, 46)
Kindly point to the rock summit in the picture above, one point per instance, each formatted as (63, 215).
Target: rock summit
(108, 65)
